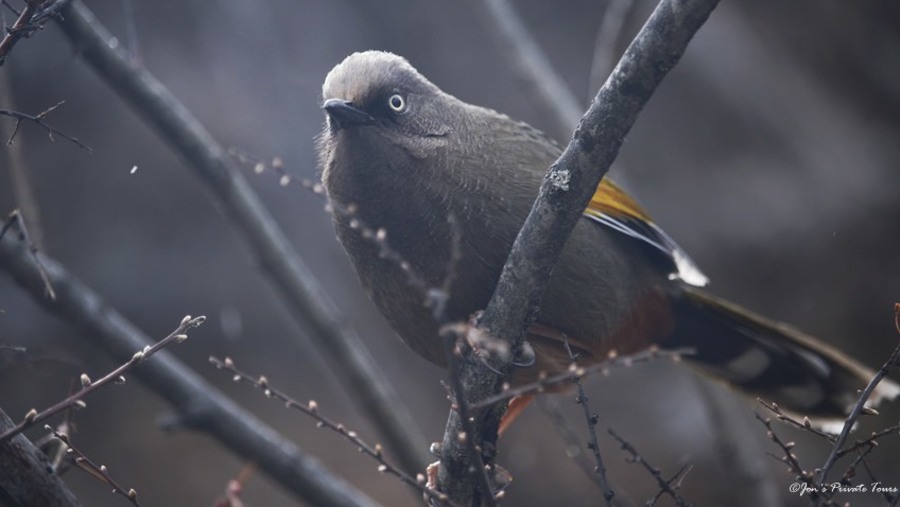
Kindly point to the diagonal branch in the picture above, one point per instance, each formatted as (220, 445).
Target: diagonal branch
(299, 289)
(563, 197)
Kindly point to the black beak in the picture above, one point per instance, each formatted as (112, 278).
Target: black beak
(344, 114)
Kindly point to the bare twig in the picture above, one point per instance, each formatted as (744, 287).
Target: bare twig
(805, 424)
(99, 472)
(18, 30)
(379, 237)
(595, 144)
(453, 336)
(858, 409)
(593, 443)
(312, 410)
(39, 119)
(304, 296)
(198, 405)
(87, 386)
(669, 487)
(23, 192)
(15, 218)
(572, 440)
(614, 361)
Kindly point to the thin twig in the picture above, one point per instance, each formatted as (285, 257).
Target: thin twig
(34, 417)
(379, 237)
(18, 30)
(543, 382)
(299, 289)
(805, 424)
(197, 405)
(99, 472)
(311, 409)
(15, 218)
(39, 120)
(593, 442)
(669, 487)
(453, 337)
(22, 188)
(858, 409)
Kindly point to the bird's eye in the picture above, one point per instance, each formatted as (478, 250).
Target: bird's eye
(397, 103)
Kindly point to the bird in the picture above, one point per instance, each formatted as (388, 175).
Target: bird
(425, 169)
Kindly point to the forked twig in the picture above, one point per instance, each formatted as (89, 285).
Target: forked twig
(311, 409)
(99, 472)
(34, 417)
(39, 119)
(669, 487)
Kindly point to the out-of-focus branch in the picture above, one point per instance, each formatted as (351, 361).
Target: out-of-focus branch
(23, 192)
(607, 37)
(198, 405)
(299, 289)
(26, 476)
(532, 66)
(563, 196)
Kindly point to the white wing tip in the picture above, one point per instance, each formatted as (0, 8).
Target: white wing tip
(688, 272)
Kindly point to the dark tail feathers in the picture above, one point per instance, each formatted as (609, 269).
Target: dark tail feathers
(771, 360)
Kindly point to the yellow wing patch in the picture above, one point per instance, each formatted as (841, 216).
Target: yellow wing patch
(611, 200)
(615, 209)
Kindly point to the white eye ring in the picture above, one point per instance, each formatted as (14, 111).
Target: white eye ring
(397, 103)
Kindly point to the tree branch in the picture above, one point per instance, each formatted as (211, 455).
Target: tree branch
(563, 196)
(26, 477)
(299, 289)
(199, 406)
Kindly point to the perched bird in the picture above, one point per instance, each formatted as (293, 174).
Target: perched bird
(406, 156)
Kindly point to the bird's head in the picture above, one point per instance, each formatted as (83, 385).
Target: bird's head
(379, 96)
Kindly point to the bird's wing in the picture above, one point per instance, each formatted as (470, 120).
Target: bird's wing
(615, 209)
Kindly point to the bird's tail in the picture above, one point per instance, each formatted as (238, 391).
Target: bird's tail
(771, 360)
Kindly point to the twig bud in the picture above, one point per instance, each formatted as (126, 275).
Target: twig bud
(85, 380)
(30, 415)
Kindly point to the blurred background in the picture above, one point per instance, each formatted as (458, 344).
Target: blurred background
(770, 153)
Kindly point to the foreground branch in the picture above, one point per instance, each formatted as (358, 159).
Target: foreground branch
(26, 475)
(87, 386)
(198, 405)
(299, 289)
(563, 196)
